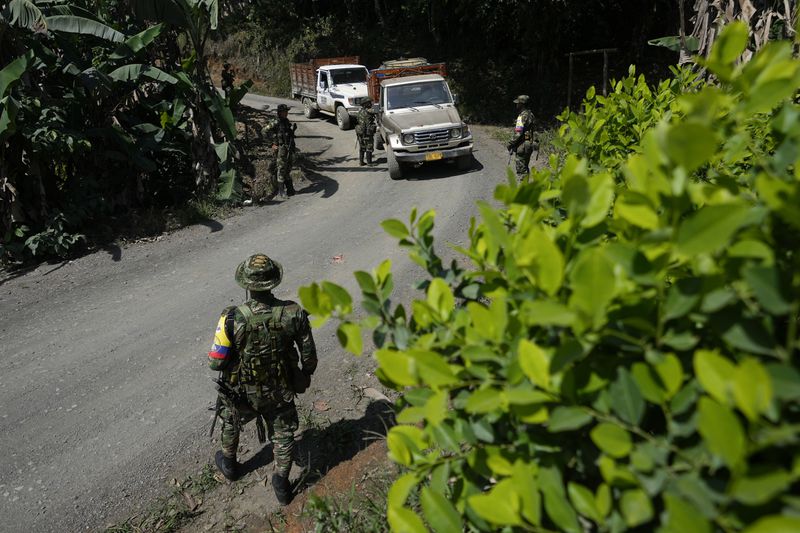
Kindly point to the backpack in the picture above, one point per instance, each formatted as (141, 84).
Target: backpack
(263, 362)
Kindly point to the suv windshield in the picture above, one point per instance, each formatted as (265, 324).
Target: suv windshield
(417, 94)
(349, 75)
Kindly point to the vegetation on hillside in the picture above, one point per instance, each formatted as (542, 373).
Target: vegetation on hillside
(621, 351)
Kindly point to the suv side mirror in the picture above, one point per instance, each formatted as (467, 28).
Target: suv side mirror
(456, 99)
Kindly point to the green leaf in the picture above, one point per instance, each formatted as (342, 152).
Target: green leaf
(349, 335)
(690, 144)
(760, 489)
(534, 363)
(647, 381)
(626, 399)
(366, 282)
(134, 71)
(603, 499)
(775, 524)
(710, 228)
(715, 374)
(339, 297)
(547, 313)
(768, 289)
(397, 366)
(403, 520)
(395, 228)
(398, 493)
(568, 419)
(752, 388)
(593, 284)
(555, 501)
(636, 209)
(138, 42)
(525, 485)
(537, 252)
(484, 401)
(83, 26)
(602, 196)
(682, 517)
(432, 368)
(403, 442)
(12, 73)
(682, 297)
(636, 507)
(583, 501)
(670, 370)
(721, 431)
(440, 298)
(501, 505)
(612, 439)
(439, 512)
(730, 44)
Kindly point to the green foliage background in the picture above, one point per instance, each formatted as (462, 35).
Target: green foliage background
(621, 352)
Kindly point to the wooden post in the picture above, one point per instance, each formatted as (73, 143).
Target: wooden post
(605, 72)
(569, 82)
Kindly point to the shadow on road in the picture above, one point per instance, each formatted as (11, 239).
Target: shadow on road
(431, 171)
(114, 251)
(319, 183)
(213, 225)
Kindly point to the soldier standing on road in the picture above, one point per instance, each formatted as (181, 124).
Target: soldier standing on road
(254, 348)
(227, 79)
(365, 131)
(522, 143)
(282, 135)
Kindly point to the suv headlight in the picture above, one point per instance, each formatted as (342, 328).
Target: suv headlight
(408, 138)
(455, 133)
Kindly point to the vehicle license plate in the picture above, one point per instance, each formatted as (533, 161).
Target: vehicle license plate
(433, 156)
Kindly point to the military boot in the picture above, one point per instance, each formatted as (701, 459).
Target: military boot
(282, 488)
(369, 158)
(290, 188)
(226, 465)
(361, 158)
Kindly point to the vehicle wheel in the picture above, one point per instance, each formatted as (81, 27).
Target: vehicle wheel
(378, 141)
(342, 118)
(464, 162)
(395, 172)
(308, 108)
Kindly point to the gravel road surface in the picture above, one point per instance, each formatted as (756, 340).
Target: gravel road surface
(105, 389)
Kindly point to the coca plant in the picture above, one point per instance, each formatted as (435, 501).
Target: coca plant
(618, 355)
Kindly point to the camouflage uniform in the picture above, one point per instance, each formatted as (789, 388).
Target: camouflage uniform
(281, 133)
(523, 143)
(365, 132)
(254, 347)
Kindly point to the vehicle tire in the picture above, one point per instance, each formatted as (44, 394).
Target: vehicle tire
(395, 171)
(464, 162)
(342, 118)
(378, 141)
(308, 108)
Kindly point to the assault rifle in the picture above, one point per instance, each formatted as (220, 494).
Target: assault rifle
(236, 400)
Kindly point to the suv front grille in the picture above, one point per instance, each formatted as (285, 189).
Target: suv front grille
(431, 136)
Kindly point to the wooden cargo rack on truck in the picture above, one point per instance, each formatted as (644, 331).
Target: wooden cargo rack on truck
(375, 76)
(304, 75)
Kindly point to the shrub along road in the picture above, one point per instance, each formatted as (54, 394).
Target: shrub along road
(105, 388)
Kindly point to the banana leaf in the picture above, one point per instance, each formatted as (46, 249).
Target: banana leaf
(8, 112)
(138, 42)
(23, 14)
(134, 71)
(12, 72)
(83, 26)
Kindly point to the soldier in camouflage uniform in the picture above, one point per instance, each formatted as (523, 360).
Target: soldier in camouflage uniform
(281, 133)
(365, 131)
(227, 79)
(254, 348)
(523, 143)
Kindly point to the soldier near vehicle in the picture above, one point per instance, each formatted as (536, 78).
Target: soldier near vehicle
(281, 133)
(365, 131)
(228, 76)
(255, 351)
(522, 144)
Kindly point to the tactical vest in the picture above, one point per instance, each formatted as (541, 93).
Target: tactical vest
(284, 133)
(263, 365)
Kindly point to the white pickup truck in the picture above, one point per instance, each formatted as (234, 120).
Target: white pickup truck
(331, 86)
(417, 116)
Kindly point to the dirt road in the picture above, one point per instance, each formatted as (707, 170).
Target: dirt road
(105, 388)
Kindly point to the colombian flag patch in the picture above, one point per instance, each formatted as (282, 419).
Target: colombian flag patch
(222, 344)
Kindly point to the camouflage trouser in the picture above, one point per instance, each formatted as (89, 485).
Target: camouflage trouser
(366, 142)
(282, 422)
(283, 164)
(523, 158)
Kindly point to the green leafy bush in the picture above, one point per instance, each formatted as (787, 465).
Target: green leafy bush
(617, 356)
